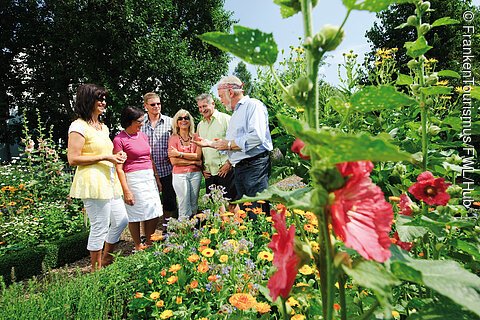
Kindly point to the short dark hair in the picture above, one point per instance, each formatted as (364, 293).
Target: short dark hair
(130, 114)
(87, 95)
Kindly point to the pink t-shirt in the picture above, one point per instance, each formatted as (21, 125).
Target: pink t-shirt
(137, 149)
(174, 141)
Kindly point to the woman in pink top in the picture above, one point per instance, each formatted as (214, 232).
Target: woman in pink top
(186, 159)
(137, 177)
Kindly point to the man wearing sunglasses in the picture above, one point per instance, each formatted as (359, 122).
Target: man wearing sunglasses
(158, 128)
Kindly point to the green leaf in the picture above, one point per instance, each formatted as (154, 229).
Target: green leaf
(251, 45)
(436, 90)
(408, 233)
(371, 5)
(449, 73)
(334, 146)
(444, 21)
(338, 104)
(475, 92)
(417, 48)
(374, 276)
(470, 248)
(435, 226)
(440, 311)
(446, 277)
(290, 7)
(403, 79)
(298, 199)
(374, 98)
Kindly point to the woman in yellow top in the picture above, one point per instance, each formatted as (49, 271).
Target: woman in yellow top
(95, 180)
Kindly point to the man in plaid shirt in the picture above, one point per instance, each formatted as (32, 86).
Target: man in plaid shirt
(158, 128)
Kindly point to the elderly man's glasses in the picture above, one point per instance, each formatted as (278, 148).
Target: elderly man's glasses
(155, 104)
(183, 118)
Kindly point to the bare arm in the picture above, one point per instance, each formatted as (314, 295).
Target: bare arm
(128, 197)
(74, 153)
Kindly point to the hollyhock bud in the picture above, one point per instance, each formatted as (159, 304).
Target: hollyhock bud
(297, 147)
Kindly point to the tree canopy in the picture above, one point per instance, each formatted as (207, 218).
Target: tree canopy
(446, 40)
(131, 47)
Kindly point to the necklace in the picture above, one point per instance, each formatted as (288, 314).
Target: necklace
(132, 136)
(185, 140)
(96, 125)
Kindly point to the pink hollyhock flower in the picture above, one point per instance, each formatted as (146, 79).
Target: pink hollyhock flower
(297, 147)
(404, 245)
(361, 217)
(429, 189)
(405, 205)
(284, 257)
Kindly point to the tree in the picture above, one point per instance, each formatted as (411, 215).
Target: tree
(243, 74)
(446, 40)
(131, 47)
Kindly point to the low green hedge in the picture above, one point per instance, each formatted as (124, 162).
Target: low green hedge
(20, 265)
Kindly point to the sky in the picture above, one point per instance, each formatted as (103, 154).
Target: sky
(265, 16)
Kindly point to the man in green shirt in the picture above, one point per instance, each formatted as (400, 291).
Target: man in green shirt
(217, 169)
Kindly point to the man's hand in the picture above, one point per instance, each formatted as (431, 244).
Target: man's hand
(227, 166)
(201, 142)
(206, 174)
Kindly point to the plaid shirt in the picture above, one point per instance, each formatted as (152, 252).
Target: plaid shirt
(158, 139)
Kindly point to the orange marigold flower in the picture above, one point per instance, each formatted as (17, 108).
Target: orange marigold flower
(257, 210)
(208, 252)
(246, 204)
(212, 278)
(241, 214)
(163, 273)
(156, 237)
(179, 300)
(262, 307)
(166, 250)
(298, 317)
(174, 268)
(261, 201)
(242, 301)
(194, 284)
(203, 266)
(149, 281)
(166, 314)
(292, 302)
(336, 307)
(138, 295)
(205, 241)
(310, 228)
(155, 295)
(193, 258)
(160, 304)
(172, 280)
(233, 231)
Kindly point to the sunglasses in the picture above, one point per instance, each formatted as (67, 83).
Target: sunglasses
(183, 118)
(155, 104)
(102, 99)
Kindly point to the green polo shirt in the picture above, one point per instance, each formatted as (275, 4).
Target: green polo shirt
(216, 128)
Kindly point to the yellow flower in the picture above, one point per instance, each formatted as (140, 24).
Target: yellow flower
(233, 231)
(298, 317)
(242, 301)
(265, 255)
(268, 219)
(160, 304)
(205, 242)
(242, 227)
(214, 231)
(179, 300)
(208, 252)
(174, 268)
(395, 314)
(223, 258)
(194, 284)
(299, 212)
(315, 246)
(203, 266)
(310, 228)
(262, 307)
(459, 90)
(172, 280)
(155, 295)
(193, 258)
(302, 284)
(292, 302)
(305, 270)
(442, 83)
(166, 314)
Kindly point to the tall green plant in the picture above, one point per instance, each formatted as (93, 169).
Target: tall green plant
(342, 194)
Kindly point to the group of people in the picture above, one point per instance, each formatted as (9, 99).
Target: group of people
(120, 181)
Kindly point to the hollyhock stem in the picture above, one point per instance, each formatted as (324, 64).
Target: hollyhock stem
(329, 271)
(343, 301)
(286, 316)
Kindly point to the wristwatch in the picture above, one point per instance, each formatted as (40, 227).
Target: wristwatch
(229, 145)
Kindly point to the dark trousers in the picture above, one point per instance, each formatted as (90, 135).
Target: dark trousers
(251, 177)
(169, 198)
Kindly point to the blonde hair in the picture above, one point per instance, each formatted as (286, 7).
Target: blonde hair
(150, 95)
(176, 128)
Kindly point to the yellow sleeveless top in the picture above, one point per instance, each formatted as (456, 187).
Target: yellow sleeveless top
(99, 180)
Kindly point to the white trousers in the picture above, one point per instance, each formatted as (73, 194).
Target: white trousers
(108, 219)
(187, 187)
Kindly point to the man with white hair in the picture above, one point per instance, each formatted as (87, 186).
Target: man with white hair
(247, 141)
